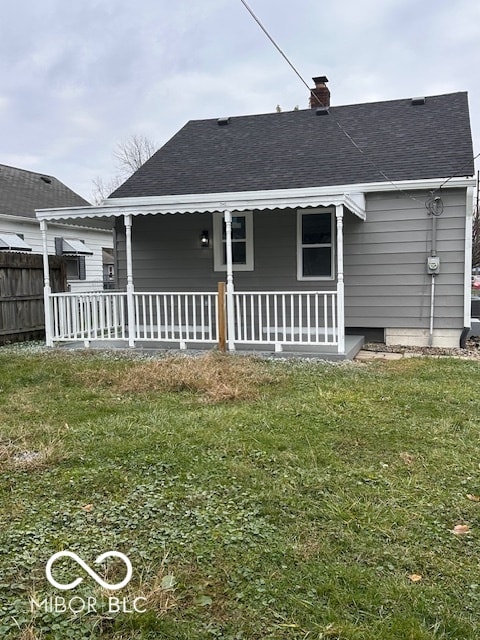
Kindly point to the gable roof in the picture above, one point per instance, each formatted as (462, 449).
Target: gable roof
(300, 149)
(21, 192)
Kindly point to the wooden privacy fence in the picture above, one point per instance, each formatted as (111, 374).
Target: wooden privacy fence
(22, 314)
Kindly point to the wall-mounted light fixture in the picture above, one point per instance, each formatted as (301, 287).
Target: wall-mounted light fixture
(204, 239)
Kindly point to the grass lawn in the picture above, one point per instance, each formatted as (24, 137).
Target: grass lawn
(254, 499)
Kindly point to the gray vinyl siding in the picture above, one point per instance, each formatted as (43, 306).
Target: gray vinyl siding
(386, 283)
(167, 255)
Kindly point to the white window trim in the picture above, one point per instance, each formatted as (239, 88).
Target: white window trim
(218, 264)
(306, 212)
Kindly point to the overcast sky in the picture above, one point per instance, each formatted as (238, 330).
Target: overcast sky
(78, 77)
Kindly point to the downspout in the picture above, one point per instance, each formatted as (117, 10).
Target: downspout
(47, 290)
(230, 286)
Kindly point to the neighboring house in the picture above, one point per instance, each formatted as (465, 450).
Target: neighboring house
(21, 192)
(327, 224)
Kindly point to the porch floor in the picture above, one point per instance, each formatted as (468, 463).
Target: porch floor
(353, 344)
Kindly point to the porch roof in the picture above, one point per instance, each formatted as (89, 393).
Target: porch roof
(350, 196)
(211, 203)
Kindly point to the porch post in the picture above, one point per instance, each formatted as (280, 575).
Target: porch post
(340, 282)
(47, 289)
(230, 286)
(130, 287)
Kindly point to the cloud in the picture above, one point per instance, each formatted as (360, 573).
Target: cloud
(24, 161)
(79, 77)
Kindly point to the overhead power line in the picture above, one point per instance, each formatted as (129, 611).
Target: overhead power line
(450, 178)
(341, 127)
(250, 11)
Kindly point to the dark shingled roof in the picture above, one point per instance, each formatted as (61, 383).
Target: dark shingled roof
(302, 149)
(21, 192)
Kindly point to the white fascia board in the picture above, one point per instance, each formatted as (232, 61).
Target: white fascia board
(247, 200)
(73, 224)
(69, 216)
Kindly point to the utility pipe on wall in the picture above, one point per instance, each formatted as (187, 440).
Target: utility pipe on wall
(435, 209)
(432, 310)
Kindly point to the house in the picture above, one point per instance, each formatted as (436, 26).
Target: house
(330, 225)
(21, 192)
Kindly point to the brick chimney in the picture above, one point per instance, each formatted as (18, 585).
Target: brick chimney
(320, 96)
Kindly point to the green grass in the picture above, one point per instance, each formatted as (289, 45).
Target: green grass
(255, 500)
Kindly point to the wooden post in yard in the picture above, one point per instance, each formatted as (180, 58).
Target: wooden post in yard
(221, 320)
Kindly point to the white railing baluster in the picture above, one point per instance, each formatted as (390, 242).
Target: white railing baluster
(259, 316)
(202, 320)
(249, 328)
(300, 318)
(275, 311)
(82, 332)
(157, 311)
(325, 316)
(109, 327)
(309, 336)
(267, 309)
(172, 318)
(292, 319)
(144, 326)
(137, 315)
(164, 319)
(214, 335)
(150, 318)
(73, 307)
(192, 315)
(334, 318)
(209, 315)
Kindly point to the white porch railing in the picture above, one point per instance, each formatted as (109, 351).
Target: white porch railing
(176, 317)
(89, 316)
(260, 317)
(286, 317)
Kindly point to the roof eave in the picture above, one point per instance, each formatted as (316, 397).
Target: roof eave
(351, 195)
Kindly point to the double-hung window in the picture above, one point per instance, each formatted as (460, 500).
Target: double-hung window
(315, 254)
(242, 242)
